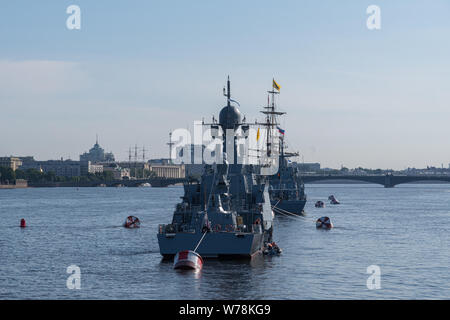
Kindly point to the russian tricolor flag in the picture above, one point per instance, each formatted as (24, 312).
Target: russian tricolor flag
(280, 130)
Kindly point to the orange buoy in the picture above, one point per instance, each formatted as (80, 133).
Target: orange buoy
(23, 224)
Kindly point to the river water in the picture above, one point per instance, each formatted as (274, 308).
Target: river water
(403, 230)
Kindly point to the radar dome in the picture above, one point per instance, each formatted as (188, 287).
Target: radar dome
(229, 117)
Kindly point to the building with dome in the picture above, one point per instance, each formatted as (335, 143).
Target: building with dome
(97, 154)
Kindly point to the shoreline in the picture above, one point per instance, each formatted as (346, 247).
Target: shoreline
(89, 185)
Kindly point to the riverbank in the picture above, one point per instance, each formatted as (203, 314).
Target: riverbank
(11, 186)
(19, 184)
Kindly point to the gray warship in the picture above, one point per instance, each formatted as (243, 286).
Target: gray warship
(227, 212)
(287, 190)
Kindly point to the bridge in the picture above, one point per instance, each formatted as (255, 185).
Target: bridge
(388, 181)
(154, 182)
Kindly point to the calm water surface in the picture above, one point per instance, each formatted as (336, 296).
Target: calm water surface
(404, 230)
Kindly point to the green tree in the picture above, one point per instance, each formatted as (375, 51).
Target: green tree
(20, 174)
(34, 175)
(7, 175)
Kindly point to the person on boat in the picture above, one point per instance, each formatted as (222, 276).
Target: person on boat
(206, 228)
(206, 224)
(276, 248)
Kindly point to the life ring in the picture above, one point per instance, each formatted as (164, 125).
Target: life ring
(324, 223)
(217, 227)
(132, 222)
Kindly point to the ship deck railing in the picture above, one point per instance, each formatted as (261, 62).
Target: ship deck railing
(256, 228)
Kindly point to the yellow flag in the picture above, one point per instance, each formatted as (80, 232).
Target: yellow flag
(257, 135)
(276, 85)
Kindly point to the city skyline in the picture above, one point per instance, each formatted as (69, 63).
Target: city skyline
(353, 96)
(136, 154)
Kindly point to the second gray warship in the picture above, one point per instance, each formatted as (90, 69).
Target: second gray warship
(228, 211)
(287, 191)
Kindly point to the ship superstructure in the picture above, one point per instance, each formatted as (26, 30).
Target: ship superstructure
(227, 212)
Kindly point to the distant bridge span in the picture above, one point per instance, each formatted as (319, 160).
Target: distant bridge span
(388, 181)
(154, 182)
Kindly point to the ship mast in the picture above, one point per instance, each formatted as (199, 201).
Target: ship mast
(271, 120)
(228, 93)
(170, 144)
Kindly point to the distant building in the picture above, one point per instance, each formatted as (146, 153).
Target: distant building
(29, 163)
(61, 168)
(118, 172)
(168, 171)
(164, 168)
(10, 162)
(134, 165)
(97, 154)
(89, 167)
(308, 167)
(161, 161)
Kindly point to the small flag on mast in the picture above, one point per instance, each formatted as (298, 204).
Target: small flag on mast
(276, 85)
(280, 130)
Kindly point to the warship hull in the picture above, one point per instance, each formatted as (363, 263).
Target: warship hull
(291, 206)
(215, 244)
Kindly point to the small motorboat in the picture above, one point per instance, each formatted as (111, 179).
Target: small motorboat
(324, 223)
(272, 249)
(333, 200)
(319, 204)
(188, 259)
(132, 222)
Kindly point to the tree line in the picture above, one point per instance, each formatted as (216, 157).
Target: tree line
(9, 176)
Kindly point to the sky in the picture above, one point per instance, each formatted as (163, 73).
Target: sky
(139, 69)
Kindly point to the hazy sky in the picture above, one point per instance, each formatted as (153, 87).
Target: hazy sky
(137, 69)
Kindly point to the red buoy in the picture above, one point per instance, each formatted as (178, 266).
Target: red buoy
(23, 224)
(188, 259)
